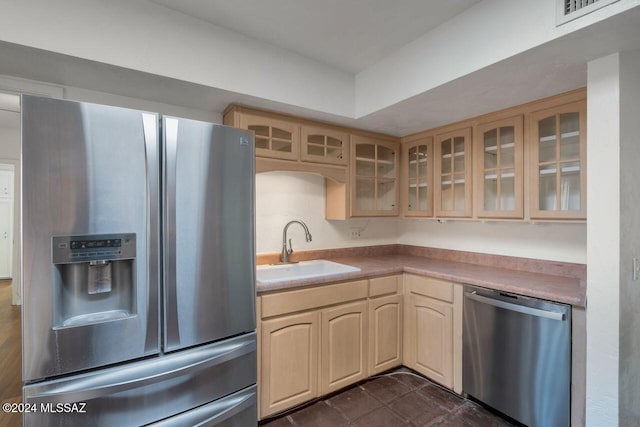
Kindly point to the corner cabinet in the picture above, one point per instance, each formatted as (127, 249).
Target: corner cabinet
(453, 186)
(417, 168)
(374, 177)
(433, 329)
(557, 150)
(499, 168)
(385, 323)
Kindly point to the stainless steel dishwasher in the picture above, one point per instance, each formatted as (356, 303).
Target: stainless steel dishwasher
(517, 355)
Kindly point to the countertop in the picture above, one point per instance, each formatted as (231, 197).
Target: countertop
(562, 289)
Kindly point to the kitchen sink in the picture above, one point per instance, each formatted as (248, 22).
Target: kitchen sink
(301, 270)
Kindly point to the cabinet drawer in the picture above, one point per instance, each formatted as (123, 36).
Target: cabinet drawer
(379, 286)
(311, 298)
(429, 287)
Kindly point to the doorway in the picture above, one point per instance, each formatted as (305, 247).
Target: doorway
(7, 179)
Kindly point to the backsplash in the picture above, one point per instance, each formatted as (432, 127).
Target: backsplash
(284, 196)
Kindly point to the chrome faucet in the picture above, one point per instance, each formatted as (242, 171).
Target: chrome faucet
(286, 253)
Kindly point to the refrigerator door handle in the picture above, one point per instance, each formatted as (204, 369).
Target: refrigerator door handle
(150, 129)
(214, 413)
(123, 379)
(171, 330)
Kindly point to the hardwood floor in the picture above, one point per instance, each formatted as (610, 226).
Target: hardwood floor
(10, 357)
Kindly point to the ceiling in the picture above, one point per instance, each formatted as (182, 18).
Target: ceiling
(554, 67)
(349, 35)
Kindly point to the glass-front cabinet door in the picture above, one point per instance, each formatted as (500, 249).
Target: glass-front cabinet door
(558, 162)
(275, 138)
(499, 169)
(417, 162)
(374, 177)
(324, 145)
(452, 155)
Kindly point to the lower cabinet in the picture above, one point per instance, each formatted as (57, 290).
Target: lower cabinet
(289, 371)
(314, 341)
(385, 333)
(433, 329)
(343, 345)
(429, 331)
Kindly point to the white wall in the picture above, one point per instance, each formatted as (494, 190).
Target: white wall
(549, 241)
(485, 34)
(146, 37)
(603, 240)
(284, 196)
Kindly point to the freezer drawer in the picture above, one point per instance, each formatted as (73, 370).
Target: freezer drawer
(517, 356)
(148, 391)
(237, 410)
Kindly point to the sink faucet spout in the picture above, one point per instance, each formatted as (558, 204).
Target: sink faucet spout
(286, 252)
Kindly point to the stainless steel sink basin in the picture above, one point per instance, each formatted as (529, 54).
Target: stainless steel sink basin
(301, 270)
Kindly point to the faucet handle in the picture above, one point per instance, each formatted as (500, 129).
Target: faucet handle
(290, 250)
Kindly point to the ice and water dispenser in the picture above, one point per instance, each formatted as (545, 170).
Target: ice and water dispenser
(94, 278)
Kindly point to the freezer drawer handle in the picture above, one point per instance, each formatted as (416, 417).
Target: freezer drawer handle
(86, 391)
(214, 413)
(515, 307)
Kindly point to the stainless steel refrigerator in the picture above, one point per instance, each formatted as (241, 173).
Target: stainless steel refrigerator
(138, 268)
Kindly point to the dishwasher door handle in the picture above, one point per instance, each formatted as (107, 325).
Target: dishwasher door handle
(515, 307)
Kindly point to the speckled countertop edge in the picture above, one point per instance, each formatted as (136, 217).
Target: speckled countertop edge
(561, 289)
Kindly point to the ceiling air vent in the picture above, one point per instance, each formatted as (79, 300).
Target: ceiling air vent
(568, 10)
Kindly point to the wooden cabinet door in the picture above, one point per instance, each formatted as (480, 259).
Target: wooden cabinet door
(274, 138)
(452, 170)
(557, 148)
(343, 346)
(324, 145)
(428, 339)
(499, 168)
(289, 371)
(385, 333)
(374, 177)
(417, 182)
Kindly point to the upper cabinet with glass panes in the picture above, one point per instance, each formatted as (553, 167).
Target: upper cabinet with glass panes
(324, 145)
(499, 168)
(557, 148)
(417, 168)
(374, 177)
(274, 138)
(452, 171)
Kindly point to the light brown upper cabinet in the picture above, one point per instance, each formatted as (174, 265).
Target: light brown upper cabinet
(324, 145)
(417, 168)
(499, 168)
(452, 171)
(557, 150)
(374, 177)
(278, 139)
